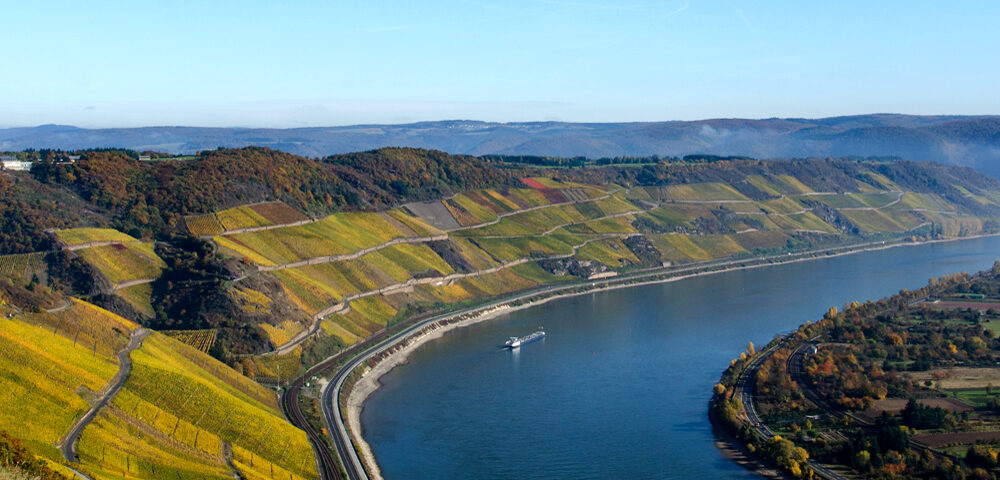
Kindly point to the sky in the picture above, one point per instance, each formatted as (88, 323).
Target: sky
(317, 63)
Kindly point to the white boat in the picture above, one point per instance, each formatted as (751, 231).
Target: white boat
(515, 342)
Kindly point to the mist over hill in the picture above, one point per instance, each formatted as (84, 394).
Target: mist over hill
(962, 140)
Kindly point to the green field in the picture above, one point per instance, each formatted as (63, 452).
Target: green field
(78, 236)
(612, 253)
(40, 375)
(202, 225)
(677, 247)
(702, 192)
(241, 217)
(138, 296)
(22, 265)
(124, 262)
(335, 235)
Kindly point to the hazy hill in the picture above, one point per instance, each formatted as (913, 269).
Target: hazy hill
(961, 140)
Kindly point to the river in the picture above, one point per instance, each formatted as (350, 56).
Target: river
(619, 387)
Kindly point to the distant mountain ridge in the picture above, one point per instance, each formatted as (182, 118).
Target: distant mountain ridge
(962, 140)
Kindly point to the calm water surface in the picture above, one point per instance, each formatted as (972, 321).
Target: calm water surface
(619, 387)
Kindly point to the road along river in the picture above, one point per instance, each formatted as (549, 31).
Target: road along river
(619, 386)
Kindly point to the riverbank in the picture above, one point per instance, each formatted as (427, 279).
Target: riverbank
(387, 359)
(736, 451)
(369, 381)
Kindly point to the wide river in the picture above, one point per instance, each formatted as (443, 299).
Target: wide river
(619, 387)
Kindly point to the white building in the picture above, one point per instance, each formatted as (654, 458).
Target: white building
(12, 163)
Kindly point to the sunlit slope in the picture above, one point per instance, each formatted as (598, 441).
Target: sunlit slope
(338, 234)
(51, 367)
(181, 414)
(127, 264)
(83, 236)
(243, 217)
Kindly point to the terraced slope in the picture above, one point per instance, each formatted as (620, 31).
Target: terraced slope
(77, 237)
(246, 217)
(357, 273)
(124, 263)
(128, 265)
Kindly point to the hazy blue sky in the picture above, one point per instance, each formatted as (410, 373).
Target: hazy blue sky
(306, 63)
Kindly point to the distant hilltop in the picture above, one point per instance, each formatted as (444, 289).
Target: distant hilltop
(963, 140)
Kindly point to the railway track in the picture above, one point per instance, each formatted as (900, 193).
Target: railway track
(325, 464)
(745, 386)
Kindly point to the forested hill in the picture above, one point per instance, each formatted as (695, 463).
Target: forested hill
(149, 198)
(961, 140)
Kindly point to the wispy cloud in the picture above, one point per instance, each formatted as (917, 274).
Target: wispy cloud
(677, 10)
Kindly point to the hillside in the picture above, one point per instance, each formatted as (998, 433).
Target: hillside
(173, 418)
(257, 248)
(250, 265)
(356, 274)
(147, 199)
(969, 141)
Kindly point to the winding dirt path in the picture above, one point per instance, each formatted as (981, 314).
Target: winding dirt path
(67, 444)
(132, 283)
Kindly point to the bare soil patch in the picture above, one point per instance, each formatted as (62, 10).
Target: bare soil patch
(954, 304)
(279, 213)
(893, 406)
(936, 440)
(434, 213)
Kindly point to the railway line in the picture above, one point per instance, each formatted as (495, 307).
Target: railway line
(745, 386)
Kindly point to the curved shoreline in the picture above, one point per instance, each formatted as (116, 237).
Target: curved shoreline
(400, 350)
